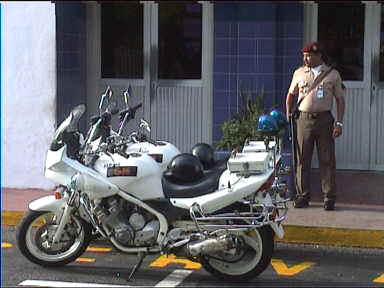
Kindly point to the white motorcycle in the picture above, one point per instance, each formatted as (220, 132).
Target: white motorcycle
(224, 219)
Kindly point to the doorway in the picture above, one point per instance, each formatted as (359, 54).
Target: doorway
(354, 43)
(164, 51)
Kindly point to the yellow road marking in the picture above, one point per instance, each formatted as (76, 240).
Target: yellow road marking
(6, 245)
(11, 218)
(95, 249)
(86, 260)
(379, 279)
(163, 261)
(282, 269)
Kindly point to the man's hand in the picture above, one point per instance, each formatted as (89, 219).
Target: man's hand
(337, 131)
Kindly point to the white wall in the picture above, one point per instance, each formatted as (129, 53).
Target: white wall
(29, 91)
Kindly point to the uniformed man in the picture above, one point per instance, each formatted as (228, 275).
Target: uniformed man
(315, 123)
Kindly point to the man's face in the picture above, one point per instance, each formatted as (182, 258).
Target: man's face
(312, 59)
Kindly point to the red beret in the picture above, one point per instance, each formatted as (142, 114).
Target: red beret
(313, 47)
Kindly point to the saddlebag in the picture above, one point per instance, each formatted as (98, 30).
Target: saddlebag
(251, 163)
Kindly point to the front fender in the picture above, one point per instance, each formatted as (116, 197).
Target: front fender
(48, 203)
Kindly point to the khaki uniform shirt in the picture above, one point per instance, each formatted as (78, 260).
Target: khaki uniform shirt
(320, 98)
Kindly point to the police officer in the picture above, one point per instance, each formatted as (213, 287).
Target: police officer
(315, 123)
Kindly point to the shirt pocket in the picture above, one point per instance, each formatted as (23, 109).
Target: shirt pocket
(302, 86)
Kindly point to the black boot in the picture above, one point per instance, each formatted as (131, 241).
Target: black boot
(300, 203)
(329, 205)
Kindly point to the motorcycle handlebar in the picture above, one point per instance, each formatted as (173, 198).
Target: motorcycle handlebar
(114, 111)
(145, 138)
(131, 111)
(153, 142)
(107, 114)
(105, 118)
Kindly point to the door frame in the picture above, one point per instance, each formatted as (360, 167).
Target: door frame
(377, 90)
(150, 48)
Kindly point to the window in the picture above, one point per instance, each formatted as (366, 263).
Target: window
(122, 40)
(180, 44)
(341, 31)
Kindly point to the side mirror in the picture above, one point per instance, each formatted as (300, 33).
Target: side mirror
(107, 95)
(127, 95)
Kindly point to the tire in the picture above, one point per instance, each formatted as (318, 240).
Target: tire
(38, 227)
(253, 262)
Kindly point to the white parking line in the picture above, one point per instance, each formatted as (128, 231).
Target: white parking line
(174, 279)
(43, 283)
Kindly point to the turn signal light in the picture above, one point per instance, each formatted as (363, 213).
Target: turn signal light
(58, 192)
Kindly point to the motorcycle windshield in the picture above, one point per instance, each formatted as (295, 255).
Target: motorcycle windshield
(70, 124)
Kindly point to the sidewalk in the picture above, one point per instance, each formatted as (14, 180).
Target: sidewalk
(349, 225)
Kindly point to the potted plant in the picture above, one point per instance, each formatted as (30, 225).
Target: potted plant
(243, 124)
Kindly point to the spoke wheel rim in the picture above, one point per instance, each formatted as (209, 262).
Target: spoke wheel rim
(44, 226)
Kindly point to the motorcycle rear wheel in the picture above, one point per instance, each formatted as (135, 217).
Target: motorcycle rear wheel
(34, 239)
(255, 258)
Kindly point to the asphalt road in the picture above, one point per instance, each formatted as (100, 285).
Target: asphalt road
(292, 266)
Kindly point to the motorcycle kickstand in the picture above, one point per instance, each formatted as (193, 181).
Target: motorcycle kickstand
(141, 256)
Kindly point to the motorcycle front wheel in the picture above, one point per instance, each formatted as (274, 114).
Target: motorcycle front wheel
(252, 257)
(35, 234)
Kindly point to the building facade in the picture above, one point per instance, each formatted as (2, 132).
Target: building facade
(28, 91)
(190, 62)
(245, 47)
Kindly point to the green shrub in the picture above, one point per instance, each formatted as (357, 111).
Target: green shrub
(243, 124)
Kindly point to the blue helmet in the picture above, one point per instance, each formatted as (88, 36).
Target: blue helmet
(267, 123)
(279, 117)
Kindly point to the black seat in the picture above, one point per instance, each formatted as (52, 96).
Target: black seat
(207, 184)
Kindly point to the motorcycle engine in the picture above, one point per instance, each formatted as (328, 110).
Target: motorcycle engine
(129, 224)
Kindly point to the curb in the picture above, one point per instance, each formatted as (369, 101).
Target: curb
(333, 236)
(293, 234)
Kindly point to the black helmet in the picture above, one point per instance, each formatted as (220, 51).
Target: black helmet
(186, 168)
(205, 153)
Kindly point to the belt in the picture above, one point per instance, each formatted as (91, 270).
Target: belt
(314, 115)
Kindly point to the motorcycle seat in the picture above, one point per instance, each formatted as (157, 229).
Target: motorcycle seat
(173, 188)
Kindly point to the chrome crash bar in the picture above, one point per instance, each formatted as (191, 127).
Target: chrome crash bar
(268, 215)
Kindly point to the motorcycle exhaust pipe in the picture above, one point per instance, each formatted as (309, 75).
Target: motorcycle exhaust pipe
(210, 245)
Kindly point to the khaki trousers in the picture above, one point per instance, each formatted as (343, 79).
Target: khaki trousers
(315, 128)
